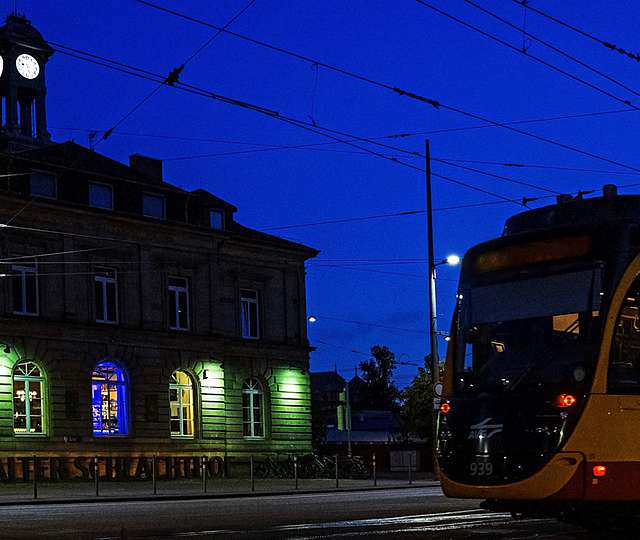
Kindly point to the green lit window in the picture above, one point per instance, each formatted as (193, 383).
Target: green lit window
(181, 404)
(252, 409)
(28, 399)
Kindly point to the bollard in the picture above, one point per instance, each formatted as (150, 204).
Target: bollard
(295, 469)
(35, 477)
(335, 458)
(96, 476)
(154, 474)
(203, 472)
(375, 478)
(253, 481)
(410, 466)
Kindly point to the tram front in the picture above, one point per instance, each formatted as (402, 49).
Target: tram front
(524, 343)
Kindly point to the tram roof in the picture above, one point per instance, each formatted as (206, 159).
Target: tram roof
(569, 212)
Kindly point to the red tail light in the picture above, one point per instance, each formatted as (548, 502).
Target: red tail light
(565, 400)
(599, 471)
(445, 408)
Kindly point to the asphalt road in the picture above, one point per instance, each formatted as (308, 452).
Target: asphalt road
(398, 513)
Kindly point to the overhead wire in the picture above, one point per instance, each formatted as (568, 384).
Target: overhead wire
(528, 54)
(609, 45)
(173, 75)
(552, 47)
(398, 91)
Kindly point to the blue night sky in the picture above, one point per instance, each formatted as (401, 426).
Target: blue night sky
(397, 42)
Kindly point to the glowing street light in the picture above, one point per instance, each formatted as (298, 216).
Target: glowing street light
(312, 318)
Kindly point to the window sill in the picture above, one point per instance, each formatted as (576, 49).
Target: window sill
(30, 435)
(175, 329)
(110, 323)
(183, 437)
(110, 435)
(25, 314)
(250, 438)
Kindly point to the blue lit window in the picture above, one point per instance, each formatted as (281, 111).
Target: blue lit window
(109, 400)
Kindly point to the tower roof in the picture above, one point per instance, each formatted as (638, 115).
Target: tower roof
(17, 29)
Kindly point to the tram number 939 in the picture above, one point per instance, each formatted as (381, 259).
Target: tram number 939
(480, 468)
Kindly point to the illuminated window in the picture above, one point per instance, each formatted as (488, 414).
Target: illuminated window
(109, 400)
(181, 403)
(252, 409)
(105, 286)
(178, 303)
(249, 314)
(28, 399)
(25, 289)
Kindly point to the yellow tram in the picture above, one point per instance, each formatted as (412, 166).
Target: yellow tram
(540, 410)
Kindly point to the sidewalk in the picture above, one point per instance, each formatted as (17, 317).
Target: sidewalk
(62, 492)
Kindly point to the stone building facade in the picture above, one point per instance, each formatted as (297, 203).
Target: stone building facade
(136, 318)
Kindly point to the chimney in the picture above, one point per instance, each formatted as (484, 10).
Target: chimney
(564, 198)
(147, 166)
(609, 190)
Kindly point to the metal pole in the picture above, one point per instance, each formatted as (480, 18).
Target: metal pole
(348, 419)
(433, 323)
(410, 466)
(154, 475)
(295, 469)
(375, 478)
(96, 476)
(203, 472)
(253, 480)
(35, 477)
(335, 459)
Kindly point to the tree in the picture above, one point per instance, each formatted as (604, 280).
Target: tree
(376, 389)
(417, 411)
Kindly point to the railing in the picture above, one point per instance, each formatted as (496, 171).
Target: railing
(84, 477)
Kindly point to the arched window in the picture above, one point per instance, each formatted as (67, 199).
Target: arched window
(181, 404)
(252, 409)
(109, 400)
(28, 399)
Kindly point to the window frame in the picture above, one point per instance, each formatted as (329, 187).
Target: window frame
(122, 396)
(250, 302)
(44, 174)
(179, 387)
(175, 291)
(99, 184)
(254, 389)
(104, 280)
(23, 270)
(149, 194)
(28, 379)
(219, 212)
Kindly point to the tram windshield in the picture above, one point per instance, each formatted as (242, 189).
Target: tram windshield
(528, 334)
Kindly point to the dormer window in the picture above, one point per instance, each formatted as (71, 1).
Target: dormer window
(43, 185)
(100, 195)
(216, 219)
(153, 205)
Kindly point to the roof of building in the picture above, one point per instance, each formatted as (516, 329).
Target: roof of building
(74, 157)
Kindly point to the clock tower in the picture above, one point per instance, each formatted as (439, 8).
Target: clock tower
(23, 56)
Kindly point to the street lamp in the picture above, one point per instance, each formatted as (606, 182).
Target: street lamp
(312, 318)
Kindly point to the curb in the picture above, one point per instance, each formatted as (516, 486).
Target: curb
(208, 496)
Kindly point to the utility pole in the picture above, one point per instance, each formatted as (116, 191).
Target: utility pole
(347, 420)
(433, 326)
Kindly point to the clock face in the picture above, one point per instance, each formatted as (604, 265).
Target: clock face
(27, 66)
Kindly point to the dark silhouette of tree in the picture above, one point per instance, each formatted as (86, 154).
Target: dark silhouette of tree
(375, 388)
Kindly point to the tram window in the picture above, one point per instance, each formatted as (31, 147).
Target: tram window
(624, 360)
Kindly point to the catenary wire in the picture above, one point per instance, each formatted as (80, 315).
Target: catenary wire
(173, 75)
(609, 45)
(529, 55)
(552, 47)
(398, 91)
